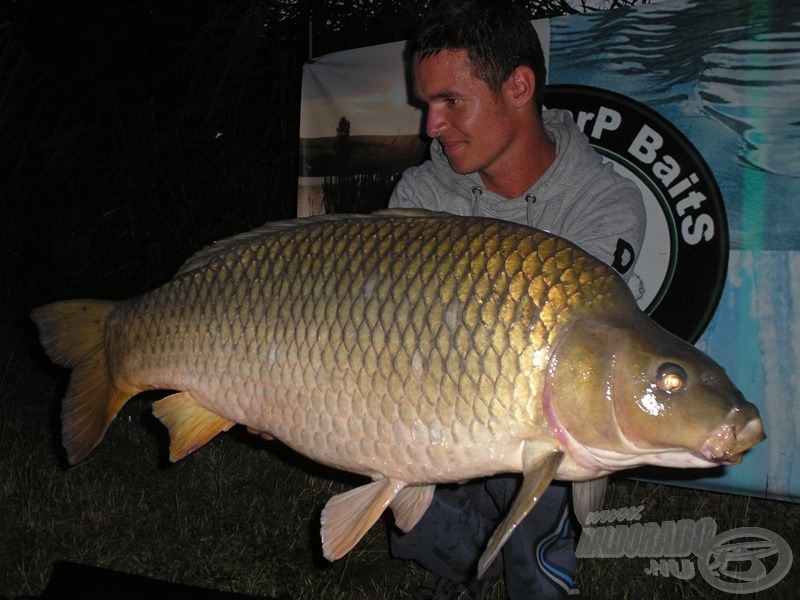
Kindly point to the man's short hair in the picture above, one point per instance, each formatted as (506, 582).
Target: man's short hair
(497, 36)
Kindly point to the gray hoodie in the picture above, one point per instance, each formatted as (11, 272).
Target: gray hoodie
(579, 197)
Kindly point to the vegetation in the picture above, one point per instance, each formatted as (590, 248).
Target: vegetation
(383, 155)
(132, 133)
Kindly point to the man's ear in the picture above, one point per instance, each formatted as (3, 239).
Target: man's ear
(520, 87)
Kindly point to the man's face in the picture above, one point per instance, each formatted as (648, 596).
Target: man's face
(473, 124)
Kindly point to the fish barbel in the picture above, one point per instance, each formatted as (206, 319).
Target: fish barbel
(412, 347)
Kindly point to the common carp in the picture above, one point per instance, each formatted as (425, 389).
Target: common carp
(411, 347)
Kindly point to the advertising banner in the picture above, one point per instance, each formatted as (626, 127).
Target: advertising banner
(695, 101)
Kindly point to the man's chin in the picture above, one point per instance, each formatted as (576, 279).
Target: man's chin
(460, 166)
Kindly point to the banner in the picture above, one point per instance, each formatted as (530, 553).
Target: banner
(695, 101)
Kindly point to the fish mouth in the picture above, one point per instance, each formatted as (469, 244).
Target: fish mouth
(725, 445)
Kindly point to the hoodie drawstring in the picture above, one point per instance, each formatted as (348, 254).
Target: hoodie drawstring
(477, 192)
(530, 200)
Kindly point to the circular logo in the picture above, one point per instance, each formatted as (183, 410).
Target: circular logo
(734, 560)
(681, 269)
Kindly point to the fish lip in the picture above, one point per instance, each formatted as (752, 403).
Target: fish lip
(753, 433)
(726, 460)
(726, 446)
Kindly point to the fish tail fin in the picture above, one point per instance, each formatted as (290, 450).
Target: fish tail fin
(71, 333)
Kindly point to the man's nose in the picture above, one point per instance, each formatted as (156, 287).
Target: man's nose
(435, 123)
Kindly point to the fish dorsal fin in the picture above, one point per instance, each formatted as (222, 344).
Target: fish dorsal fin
(416, 213)
(347, 517)
(190, 425)
(539, 466)
(410, 504)
(587, 497)
(210, 253)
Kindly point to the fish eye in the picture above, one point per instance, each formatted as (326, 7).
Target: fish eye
(670, 377)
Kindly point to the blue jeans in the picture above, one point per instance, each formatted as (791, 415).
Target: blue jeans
(537, 561)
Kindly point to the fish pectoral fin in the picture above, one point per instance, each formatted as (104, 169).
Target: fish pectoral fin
(538, 469)
(587, 497)
(410, 504)
(347, 517)
(190, 425)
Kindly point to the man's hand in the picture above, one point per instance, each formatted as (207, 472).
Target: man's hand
(263, 434)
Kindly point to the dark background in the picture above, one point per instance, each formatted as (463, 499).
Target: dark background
(134, 132)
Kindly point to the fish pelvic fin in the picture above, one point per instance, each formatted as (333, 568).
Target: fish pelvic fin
(539, 468)
(190, 424)
(587, 497)
(410, 504)
(71, 333)
(347, 517)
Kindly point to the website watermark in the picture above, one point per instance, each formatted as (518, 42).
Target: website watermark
(743, 560)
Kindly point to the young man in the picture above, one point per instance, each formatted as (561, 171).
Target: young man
(478, 68)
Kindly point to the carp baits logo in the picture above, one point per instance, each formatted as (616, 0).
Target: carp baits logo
(681, 269)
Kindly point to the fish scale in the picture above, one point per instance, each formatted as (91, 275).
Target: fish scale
(411, 347)
(385, 317)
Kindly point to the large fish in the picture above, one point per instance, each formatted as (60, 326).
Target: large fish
(411, 347)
